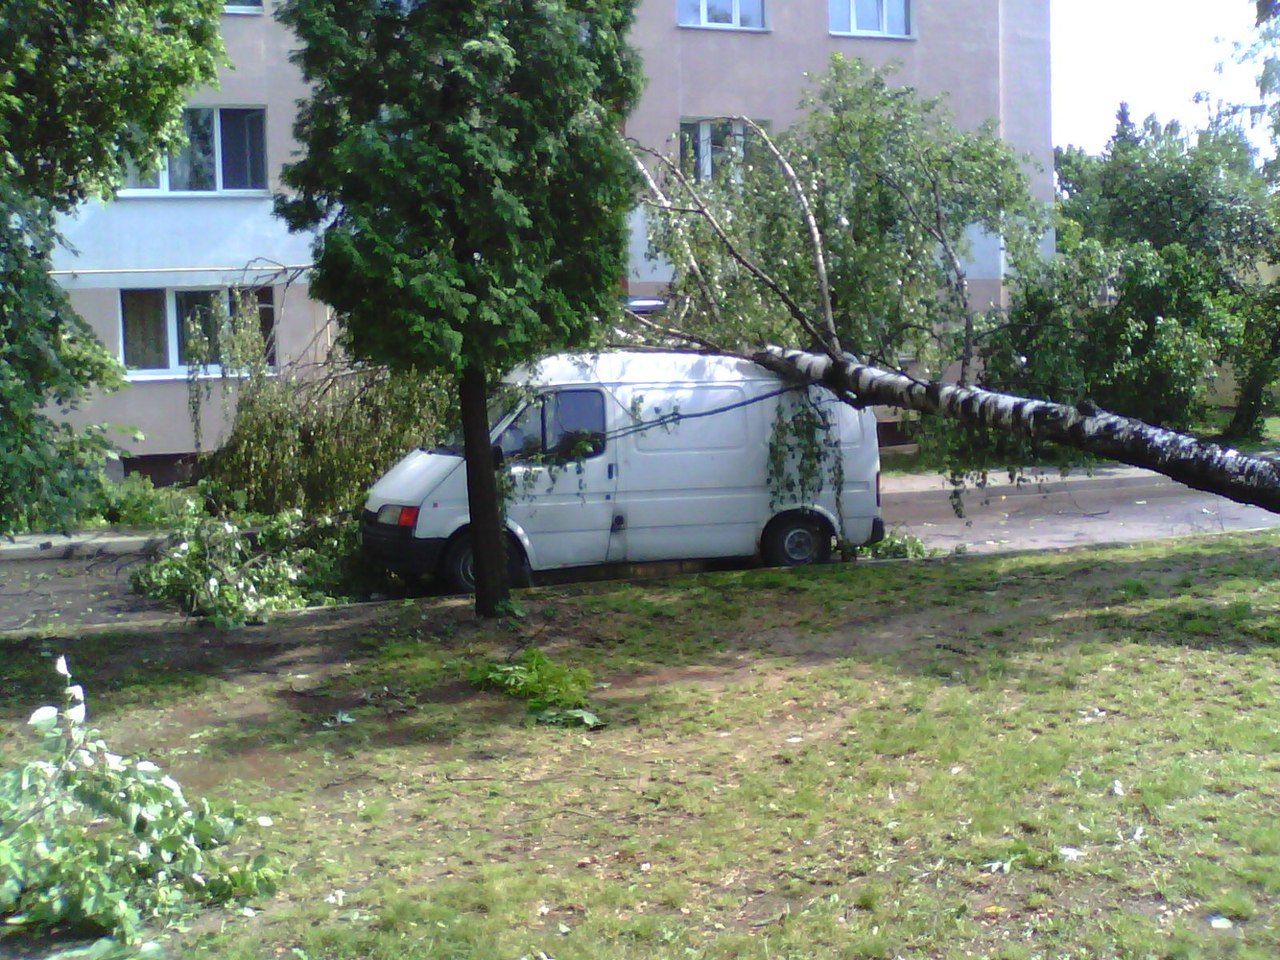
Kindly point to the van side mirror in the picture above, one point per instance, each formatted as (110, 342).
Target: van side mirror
(499, 458)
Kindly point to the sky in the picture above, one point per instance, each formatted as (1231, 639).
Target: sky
(1154, 54)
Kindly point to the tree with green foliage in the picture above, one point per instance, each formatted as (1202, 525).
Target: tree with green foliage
(463, 161)
(767, 255)
(879, 190)
(1189, 221)
(85, 88)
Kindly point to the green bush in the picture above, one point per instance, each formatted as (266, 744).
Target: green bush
(93, 841)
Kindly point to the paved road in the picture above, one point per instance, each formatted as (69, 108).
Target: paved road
(53, 593)
(1133, 506)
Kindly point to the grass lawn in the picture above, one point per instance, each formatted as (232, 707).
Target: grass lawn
(1070, 755)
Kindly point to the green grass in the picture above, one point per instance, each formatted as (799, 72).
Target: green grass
(1070, 755)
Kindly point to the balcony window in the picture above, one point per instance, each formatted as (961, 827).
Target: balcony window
(888, 18)
(226, 150)
(740, 14)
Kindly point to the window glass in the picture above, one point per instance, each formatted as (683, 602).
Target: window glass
(751, 13)
(135, 179)
(726, 144)
(719, 11)
(244, 149)
(575, 424)
(144, 329)
(522, 440)
(899, 20)
(867, 15)
(259, 302)
(192, 167)
(690, 12)
(197, 312)
(839, 12)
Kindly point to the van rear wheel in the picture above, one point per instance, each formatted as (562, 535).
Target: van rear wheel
(458, 568)
(796, 540)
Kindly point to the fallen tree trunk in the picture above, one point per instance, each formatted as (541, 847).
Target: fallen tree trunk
(1195, 463)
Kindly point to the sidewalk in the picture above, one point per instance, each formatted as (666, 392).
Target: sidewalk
(94, 543)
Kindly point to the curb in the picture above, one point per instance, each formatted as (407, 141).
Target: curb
(45, 547)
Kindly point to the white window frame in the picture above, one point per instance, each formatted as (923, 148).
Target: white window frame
(162, 173)
(258, 8)
(736, 24)
(175, 367)
(909, 9)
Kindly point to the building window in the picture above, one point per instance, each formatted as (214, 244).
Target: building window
(226, 150)
(708, 147)
(742, 14)
(155, 325)
(243, 6)
(890, 18)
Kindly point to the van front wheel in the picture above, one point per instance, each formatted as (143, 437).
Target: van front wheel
(796, 540)
(458, 569)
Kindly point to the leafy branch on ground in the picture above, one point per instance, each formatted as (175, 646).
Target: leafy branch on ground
(94, 841)
(222, 569)
(557, 694)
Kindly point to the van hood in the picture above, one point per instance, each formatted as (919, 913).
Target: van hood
(413, 479)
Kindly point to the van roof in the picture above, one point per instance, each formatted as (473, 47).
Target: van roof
(636, 366)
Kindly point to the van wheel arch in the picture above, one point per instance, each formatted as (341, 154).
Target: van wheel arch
(457, 562)
(796, 538)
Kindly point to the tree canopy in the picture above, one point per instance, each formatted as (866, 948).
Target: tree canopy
(463, 163)
(84, 87)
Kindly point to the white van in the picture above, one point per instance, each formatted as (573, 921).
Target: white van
(637, 457)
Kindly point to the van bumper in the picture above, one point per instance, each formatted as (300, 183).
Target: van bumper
(397, 549)
(877, 531)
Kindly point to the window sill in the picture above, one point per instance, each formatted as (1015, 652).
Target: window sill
(723, 28)
(146, 194)
(181, 376)
(871, 35)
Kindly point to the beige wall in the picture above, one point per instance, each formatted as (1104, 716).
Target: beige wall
(991, 57)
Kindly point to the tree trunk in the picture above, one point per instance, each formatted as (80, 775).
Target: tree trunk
(1195, 463)
(487, 539)
(1250, 399)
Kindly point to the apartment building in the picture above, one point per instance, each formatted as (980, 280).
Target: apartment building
(202, 230)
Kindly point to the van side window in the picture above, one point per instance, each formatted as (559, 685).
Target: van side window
(557, 427)
(574, 422)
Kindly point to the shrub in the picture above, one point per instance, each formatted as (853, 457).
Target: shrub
(95, 841)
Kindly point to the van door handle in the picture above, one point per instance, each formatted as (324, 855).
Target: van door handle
(611, 470)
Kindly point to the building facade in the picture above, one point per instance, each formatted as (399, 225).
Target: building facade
(201, 231)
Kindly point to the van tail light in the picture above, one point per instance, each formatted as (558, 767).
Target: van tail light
(409, 516)
(877, 488)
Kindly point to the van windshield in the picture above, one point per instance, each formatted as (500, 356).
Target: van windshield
(500, 407)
